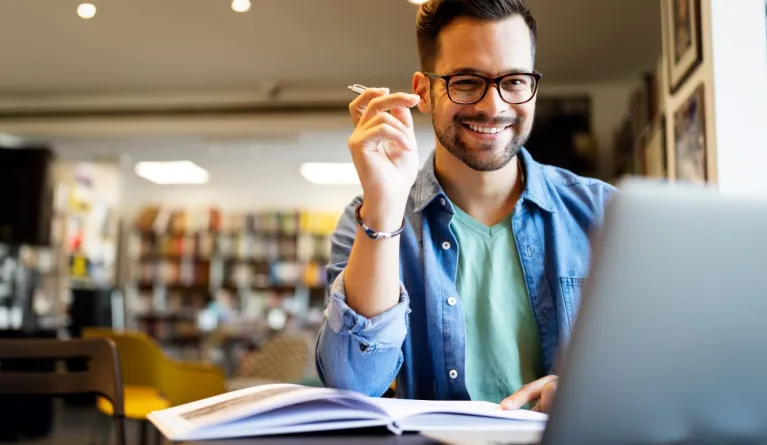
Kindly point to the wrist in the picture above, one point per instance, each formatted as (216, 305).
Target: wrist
(382, 216)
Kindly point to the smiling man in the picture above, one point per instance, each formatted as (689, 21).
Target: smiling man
(461, 280)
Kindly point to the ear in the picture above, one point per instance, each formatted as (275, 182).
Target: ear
(422, 87)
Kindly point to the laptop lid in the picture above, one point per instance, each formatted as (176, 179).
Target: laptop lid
(670, 343)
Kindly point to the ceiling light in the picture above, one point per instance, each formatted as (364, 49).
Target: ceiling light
(173, 172)
(86, 11)
(330, 173)
(241, 5)
(418, 2)
(10, 141)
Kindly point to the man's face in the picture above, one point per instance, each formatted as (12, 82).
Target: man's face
(490, 49)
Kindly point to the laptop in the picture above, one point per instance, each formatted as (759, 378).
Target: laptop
(670, 342)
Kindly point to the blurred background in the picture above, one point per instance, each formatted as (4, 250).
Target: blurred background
(176, 167)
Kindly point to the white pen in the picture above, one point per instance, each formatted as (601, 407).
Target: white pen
(357, 88)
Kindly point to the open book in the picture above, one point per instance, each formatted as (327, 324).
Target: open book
(288, 408)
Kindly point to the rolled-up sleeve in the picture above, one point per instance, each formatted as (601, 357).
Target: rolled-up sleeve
(386, 330)
(354, 352)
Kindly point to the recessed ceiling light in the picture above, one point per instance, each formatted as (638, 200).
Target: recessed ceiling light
(241, 5)
(86, 10)
(418, 2)
(172, 172)
(330, 173)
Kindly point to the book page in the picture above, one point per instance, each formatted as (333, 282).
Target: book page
(321, 414)
(252, 403)
(399, 409)
(228, 408)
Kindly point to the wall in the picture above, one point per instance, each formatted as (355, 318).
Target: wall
(734, 74)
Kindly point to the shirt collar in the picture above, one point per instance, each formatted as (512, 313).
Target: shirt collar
(427, 187)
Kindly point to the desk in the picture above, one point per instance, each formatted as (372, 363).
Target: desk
(383, 437)
(326, 439)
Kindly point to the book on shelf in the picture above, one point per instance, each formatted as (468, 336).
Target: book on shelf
(288, 408)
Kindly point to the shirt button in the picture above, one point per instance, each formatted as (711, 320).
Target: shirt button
(451, 301)
(453, 374)
(443, 202)
(446, 245)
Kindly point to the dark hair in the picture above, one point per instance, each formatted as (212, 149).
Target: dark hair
(434, 15)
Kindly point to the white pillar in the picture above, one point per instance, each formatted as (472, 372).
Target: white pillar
(739, 71)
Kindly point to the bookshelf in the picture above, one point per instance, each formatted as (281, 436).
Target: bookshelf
(195, 274)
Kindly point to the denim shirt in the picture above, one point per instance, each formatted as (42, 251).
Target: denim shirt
(420, 342)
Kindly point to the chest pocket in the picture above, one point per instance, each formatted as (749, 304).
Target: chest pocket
(571, 297)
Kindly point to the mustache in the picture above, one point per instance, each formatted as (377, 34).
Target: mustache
(484, 119)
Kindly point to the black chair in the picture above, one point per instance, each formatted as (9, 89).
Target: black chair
(102, 377)
(29, 418)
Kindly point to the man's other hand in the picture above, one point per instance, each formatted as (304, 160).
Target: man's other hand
(542, 390)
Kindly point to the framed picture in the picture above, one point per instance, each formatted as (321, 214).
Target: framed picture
(655, 151)
(683, 40)
(690, 138)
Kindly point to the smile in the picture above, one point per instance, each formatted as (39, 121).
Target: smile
(485, 129)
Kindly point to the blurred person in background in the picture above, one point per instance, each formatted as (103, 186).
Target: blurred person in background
(461, 280)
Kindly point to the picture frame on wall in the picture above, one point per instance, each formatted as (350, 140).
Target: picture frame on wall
(690, 145)
(683, 50)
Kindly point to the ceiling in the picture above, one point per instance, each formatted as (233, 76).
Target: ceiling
(166, 45)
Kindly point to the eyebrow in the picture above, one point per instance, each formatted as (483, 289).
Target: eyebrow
(466, 70)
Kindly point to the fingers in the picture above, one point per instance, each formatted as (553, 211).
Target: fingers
(370, 138)
(382, 117)
(391, 102)
(385, 118)
(358, 105)
(393, 130)
(403, 115)
(547, 397)
(528, 393)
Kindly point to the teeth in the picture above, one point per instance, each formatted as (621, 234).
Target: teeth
(488, 130)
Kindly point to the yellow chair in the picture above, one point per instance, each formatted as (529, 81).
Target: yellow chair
(153, 381)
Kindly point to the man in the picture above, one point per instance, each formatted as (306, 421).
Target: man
(462, 280)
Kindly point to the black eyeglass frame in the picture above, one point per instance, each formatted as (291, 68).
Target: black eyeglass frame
(488, 81)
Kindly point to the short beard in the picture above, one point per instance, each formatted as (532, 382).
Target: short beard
(453, 143)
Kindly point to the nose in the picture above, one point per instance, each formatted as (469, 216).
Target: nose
(492, 104)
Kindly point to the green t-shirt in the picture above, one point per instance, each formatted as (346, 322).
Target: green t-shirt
(503, 350)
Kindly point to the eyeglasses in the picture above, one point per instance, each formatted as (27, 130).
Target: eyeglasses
(467, 89)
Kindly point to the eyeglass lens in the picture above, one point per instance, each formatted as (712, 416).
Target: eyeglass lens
(468, 88)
